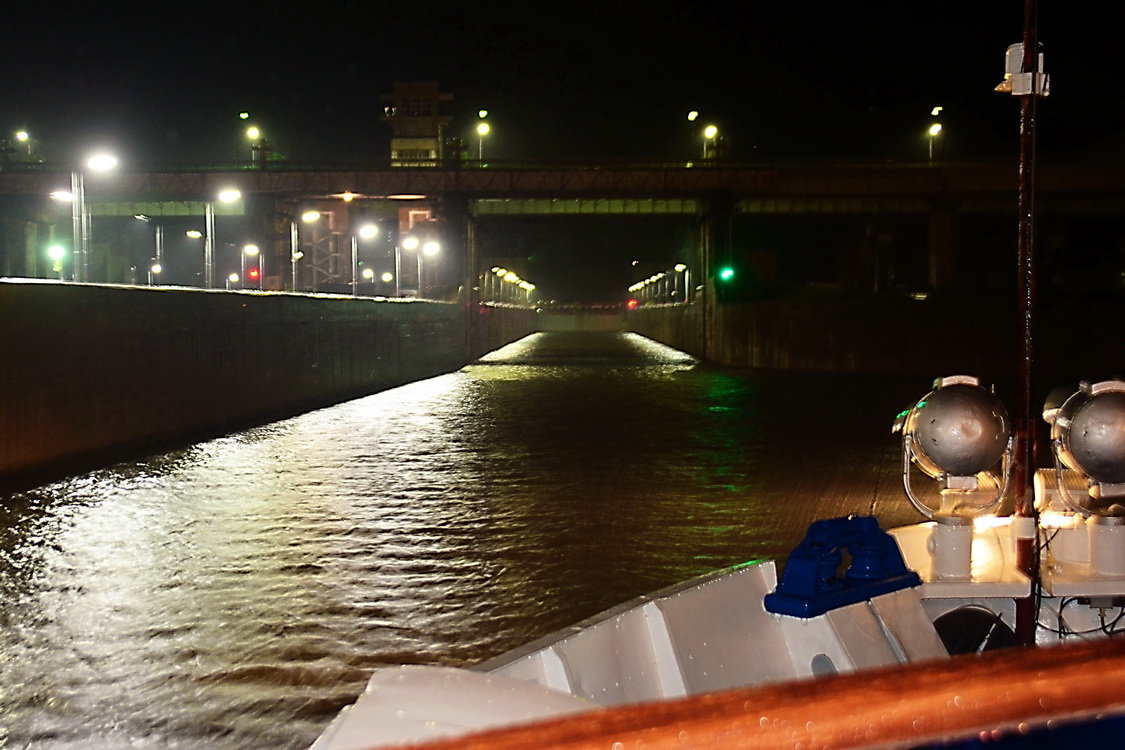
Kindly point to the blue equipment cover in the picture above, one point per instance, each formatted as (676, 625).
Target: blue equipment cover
(811, 583)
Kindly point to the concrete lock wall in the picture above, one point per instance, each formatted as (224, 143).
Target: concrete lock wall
(96, 371)
(1074, 339)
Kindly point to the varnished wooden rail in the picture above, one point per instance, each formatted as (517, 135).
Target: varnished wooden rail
(1016, 690)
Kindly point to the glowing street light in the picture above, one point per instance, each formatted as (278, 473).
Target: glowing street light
(24, 137)
(483, 129)
(681, 268)
(934, 131)
(710, 138)
(79, 215)
(259, 146)
(101, 162)
(226, 195)
(154, 272)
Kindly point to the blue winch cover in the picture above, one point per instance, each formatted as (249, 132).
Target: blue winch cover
(811, 583)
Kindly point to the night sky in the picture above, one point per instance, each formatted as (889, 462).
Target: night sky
(164, 81)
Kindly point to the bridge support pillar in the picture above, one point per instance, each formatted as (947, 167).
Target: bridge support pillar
(715, 249)
(459, 233)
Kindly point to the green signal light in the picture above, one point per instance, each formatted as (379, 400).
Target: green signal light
(726, 273)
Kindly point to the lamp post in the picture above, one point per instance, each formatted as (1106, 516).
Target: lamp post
(227, 195)
(710, 137)
(295, 253)
(80, 215)
(22, 136)
(154, 271)
(158, 231)
(682, 269)
(934, 131)
(398, 268)
(483, 129)
(254, 135)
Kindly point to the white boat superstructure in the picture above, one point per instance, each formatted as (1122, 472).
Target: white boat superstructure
(852, 598)
(705, 635)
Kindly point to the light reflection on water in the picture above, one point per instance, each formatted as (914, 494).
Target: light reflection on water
(237, 593)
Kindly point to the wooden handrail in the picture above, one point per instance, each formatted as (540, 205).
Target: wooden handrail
(1014, 690)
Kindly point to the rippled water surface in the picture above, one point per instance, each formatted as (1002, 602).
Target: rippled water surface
(237, 593)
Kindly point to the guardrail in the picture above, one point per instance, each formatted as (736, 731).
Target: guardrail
(1001, 693)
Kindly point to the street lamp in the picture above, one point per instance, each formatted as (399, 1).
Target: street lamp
(79, 214)
(159, 235)
(226, 195)
(154, 272)
(682, 268)
(254, 135)
(710, 136)
(231, 281)
(22, 136)
(934, 131)
(483, 129)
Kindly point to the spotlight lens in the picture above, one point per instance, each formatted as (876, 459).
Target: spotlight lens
(962, 429)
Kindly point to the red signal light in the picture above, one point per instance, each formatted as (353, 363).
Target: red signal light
(632, 304)
(253, 274)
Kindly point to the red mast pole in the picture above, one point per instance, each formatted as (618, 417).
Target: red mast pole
(1026, 545)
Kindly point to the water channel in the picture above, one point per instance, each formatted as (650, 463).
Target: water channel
(237, 593)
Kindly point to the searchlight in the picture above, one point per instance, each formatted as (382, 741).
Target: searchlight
(957, 434)
(1088, 443)
(1088, 437)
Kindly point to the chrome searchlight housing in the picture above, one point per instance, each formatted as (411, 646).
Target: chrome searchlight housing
(957, 434)
(1088, 437)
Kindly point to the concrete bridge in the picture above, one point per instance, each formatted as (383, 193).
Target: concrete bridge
(883, 225)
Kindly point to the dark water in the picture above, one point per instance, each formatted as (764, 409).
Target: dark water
(237, 593)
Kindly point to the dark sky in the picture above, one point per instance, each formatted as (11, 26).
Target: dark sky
(164, 81)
